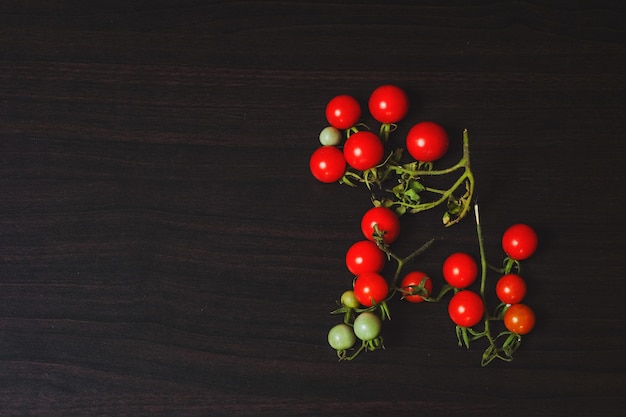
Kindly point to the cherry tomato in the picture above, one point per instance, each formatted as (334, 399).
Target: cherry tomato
(367, 326)
(519, 241)
(363, 150)
(348, 299)
(341, 337)
(427, 141)
(511, 289)
(415, 278)
(519, 318)
(388, 104)
(466, 308)
(385, 219)
(370, 288)
(343, 111)
(365, 256)
(330, 136)
(460, 270)
(327, 164)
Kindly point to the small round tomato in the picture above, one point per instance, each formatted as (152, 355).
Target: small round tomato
(466, 308)
(367, 326)
(511, 289)
(519, 318)
(330, 136)
(519, 241)
(365, 256)
(388, 104)
(341, 337)
(363, 150)
(414, 279)
(370, 288)
(460, 270)
(343, 111)
(348, 299)
(427, 141)
(327, 164)
(385, 220)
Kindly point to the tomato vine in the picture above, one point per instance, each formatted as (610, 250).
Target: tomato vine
(399, 185)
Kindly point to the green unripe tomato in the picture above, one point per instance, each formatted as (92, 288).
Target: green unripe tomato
(367, 326)
(348, 299)
(341, 337)
(330, 136)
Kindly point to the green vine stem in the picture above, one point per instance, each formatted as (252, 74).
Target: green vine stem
(366, 345)
(386, 129)
(512, 340)
(457, 207)
(400, 262)
(406, 193)
(483, 257)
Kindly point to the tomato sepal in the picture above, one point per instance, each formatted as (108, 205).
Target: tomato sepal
(462, 336)
(510, 265)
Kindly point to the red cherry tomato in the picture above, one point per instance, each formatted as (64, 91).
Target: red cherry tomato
(460, 270)
(343, 111)
(466, 308)
(327, 164)
(370, 288)
(363, 150)
(385, 219)
(414, 279)
(427, 141)
(364, 256)
(519, 241)
(519, 318)
(388, 104)
(511, 289)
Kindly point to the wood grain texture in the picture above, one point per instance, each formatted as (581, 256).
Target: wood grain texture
(164, 250)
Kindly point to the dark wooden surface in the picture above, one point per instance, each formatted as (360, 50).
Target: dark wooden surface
(164, 250)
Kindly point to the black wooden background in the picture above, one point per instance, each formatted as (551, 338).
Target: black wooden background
(164, 250)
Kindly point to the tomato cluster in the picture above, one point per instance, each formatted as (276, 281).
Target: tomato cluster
(519, 242)
(348, 154)
(365, 259)
(467, 307)
(362, 150)
(351, 155)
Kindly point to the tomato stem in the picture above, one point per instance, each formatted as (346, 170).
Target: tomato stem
(405, 194)
(512, 340)
(466, 178)
(401, 262)
(483, 280)
(483, 258)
